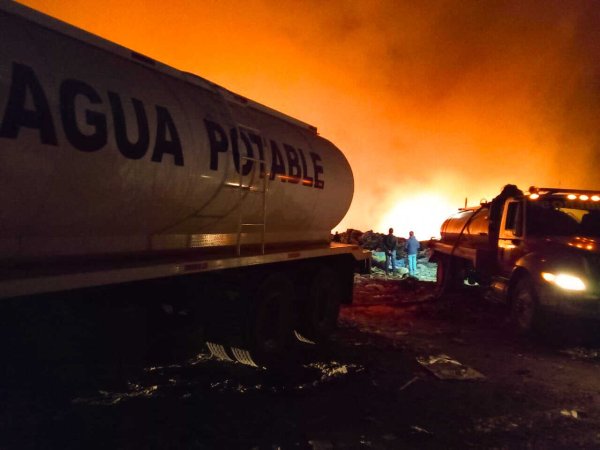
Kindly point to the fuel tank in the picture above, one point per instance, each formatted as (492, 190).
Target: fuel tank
(104, 150)
(471, 225)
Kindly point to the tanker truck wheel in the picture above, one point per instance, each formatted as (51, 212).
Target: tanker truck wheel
(249, 322)
(448, 276)
(439, 279)
(443, 277)
(270, 328)
(524, 306)
(320, 312)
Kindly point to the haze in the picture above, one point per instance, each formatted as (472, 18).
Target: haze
(431, 101)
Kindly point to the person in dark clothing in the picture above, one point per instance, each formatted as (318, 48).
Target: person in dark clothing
(390, 244)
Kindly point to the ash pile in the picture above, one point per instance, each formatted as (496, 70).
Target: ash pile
(370, 240)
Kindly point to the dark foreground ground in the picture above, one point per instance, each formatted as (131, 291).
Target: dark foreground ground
(371, 387)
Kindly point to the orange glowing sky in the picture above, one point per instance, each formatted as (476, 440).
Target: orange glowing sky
(431, 101)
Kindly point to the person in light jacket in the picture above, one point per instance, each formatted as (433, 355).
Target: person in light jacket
(412, 247)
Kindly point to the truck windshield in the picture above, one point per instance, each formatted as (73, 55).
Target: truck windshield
(562, 217)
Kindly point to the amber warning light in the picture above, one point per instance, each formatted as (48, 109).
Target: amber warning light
(572, 194)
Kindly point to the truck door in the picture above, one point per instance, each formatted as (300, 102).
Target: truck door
(510, 239)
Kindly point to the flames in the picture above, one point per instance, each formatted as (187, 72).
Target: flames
(422, 213)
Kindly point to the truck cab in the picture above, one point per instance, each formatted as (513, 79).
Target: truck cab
(549, 238)
(541, 255)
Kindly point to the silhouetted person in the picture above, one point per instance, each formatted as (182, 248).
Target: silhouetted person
(390, 244)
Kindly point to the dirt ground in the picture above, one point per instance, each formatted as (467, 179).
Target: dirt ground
(402, 371)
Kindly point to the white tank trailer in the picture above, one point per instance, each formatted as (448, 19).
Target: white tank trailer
(150, 193)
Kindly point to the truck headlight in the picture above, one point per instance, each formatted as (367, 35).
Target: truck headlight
(564, 281)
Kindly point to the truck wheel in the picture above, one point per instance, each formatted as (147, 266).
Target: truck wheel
(441, 278)
(271, 324)
(320, 312)
(444, 277)
(524, 305)
(449, 276)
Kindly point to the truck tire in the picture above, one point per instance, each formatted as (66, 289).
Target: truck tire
(446, 278)
(524, 306)
(441, 278)
(249, 318)
(320, 312)
(270, 328)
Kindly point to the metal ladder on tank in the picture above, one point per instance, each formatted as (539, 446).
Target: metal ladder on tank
(257, 162)
(241, 224)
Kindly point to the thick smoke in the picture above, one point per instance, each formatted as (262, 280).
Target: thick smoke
(479, 93)
(449, 99)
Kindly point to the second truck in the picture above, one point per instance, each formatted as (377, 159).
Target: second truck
(539, 251)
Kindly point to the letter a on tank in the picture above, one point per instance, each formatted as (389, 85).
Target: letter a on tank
(24, 84)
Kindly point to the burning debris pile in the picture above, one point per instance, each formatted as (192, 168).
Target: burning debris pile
(372, 241)
(368, 240)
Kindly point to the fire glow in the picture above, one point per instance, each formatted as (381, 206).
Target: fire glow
(422, 213)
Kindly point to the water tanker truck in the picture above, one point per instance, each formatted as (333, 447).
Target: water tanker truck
(537, 251)
(135, 196)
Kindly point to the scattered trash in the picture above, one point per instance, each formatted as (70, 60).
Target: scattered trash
(570, 413)
(106, 398)
(331, 369)
(420, 430)
(446, 368)
(365, 442)
(408, 383)
(496, 424)
(320, 445)
(582, 353)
